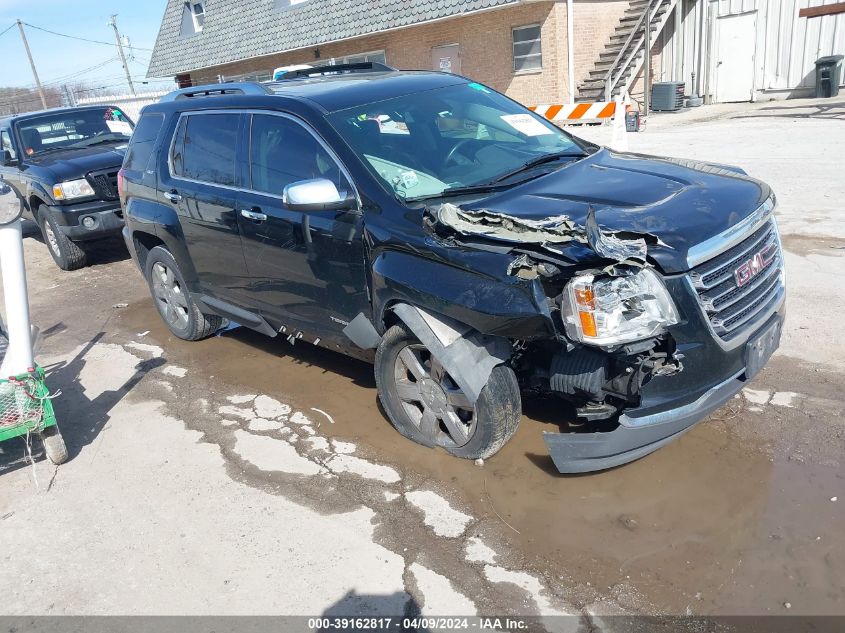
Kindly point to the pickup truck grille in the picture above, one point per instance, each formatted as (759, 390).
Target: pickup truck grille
(104, 183)
(738, 285)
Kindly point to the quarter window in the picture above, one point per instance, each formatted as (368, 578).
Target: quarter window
(207, 149)
(143, 141)
(527, 48)
(282, 151)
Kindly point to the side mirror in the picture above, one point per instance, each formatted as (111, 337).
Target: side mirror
(11, 206)
(316, 194)
(8, 161)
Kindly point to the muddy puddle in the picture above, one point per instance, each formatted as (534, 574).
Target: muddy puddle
(720, 521)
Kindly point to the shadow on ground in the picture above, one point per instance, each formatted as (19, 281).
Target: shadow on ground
(104, 251)
(816, 111)
(80, 418)
(352, 605)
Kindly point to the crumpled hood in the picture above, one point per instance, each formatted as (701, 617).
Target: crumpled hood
(75, 163)
(682, 203)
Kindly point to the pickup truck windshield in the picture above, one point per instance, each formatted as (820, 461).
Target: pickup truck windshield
(73, 129)
(456, 138)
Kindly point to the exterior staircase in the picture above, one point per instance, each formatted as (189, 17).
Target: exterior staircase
(622, 59)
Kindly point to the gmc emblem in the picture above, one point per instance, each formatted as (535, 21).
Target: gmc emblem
(752, 267)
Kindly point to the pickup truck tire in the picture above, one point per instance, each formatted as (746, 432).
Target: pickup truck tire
(66, 254)
(174, 302)
(412, 386)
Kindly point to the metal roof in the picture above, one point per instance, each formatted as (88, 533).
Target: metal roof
(235, 30)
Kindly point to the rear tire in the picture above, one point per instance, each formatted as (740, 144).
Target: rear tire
(67, 254)
(54, 445)
(487, 425)
(174, 302)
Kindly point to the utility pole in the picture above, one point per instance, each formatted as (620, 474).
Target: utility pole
(647, 62)
(113, 22)
(32, 65)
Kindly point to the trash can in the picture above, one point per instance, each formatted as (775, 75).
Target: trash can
(828, 75)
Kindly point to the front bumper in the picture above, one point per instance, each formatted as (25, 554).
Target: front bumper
(107, 217)
(670, 405)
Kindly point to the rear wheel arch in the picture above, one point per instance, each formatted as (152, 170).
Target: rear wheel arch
(145, 242)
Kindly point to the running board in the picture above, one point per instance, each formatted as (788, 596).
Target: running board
(238, 315)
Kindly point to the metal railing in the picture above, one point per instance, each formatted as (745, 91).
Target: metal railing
(637, 41)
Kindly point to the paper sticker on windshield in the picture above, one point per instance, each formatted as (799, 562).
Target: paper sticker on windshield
(409, 179)
(119, 127)
(526, 124)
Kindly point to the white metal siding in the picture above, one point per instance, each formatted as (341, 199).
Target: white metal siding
(786, 48)
(734, 7)
(793, 44)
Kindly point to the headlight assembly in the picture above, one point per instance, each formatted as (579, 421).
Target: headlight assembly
(72, 189)
(611, 310)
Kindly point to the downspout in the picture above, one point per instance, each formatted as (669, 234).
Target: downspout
(570, 49)
(678, 48)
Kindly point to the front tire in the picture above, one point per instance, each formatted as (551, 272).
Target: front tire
(426, 405)
(67, 254)
(174, 302)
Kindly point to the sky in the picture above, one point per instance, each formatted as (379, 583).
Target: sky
(58, 59)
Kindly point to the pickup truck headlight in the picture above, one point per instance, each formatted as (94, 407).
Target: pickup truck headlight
(611, 310)
(73, 189)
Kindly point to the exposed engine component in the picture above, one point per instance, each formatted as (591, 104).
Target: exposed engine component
(581, 372)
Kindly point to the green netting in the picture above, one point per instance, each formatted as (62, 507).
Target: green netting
(24, 405)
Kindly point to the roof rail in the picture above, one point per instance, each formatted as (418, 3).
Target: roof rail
(360, 67)
(212, 90)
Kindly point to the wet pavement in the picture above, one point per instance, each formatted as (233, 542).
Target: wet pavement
(742, 515)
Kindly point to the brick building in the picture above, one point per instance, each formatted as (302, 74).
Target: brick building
(519, 47)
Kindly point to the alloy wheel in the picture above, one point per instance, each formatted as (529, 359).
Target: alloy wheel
(51, 239)
(432, 399)
(168, 293)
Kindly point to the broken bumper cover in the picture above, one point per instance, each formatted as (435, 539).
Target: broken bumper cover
(636, 436)
(666, 414)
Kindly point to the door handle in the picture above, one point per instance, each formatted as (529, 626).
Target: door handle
(173, 196)
(253, 215)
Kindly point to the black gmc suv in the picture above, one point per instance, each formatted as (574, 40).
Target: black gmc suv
(467, 246)
(63, 164)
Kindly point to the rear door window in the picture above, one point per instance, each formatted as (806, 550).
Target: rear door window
(143, 141)
(205, 148)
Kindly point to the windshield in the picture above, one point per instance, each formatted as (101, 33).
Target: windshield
(73, 129)
(430, 143)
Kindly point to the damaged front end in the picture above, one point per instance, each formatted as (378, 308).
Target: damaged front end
(612, 313)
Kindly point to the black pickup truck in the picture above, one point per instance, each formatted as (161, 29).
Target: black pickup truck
(63, 163)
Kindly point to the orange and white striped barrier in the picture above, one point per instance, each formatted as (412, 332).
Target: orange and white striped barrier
(576, 112)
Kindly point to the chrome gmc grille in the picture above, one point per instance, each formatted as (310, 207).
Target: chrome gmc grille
(104, 183)
(739, 285)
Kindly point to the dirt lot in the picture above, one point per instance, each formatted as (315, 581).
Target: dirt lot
(244, 475)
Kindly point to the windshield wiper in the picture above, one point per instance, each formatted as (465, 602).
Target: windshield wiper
(535, 162)
(88, 142)
(460, 191)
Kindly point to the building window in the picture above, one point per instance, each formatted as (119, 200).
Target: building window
(527, 50)
(198, 15)
(193, 18)
(374, 56)
(281, 5)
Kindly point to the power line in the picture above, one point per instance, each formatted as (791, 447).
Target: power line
(81, 39)
(72, 75)
(7, 29)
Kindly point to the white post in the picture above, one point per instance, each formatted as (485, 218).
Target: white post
(570, 49)
(619, 141)
(18, 359)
